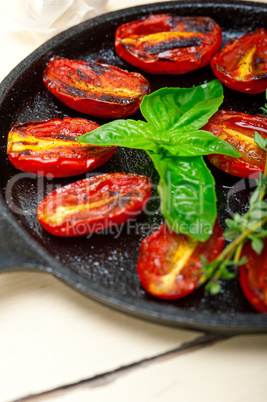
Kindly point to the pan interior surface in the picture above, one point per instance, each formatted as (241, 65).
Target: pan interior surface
(103, 265)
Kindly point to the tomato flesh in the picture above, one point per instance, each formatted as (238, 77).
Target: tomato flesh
(93, 204)
(242, 63)
(169, 264)
(166, 44)
(253, 277)
(94, 88)
(49, 147)
(239, 129)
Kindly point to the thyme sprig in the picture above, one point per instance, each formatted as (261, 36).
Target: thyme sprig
(264, 109)
(250, 226)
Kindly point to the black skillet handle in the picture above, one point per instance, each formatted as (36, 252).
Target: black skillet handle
(16, 250)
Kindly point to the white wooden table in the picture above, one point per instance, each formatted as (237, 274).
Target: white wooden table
(58, 345)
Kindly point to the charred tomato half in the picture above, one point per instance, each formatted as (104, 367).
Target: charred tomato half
(253, 277)
(239, 129)
(166, 44)
(242, 63)
(94, 204)
(169, 264)
(94, 88)
(49, 147)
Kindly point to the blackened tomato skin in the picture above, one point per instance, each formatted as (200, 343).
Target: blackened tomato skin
(242, 63)
(253, 277)
(239, 129)
(167, 44)
(94, 88)
(94, 204)
(169, 264)
(49, 147)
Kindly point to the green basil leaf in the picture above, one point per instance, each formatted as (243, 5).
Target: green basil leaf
(199, 142)
(186, 109)
(124, 133)
(187, 192)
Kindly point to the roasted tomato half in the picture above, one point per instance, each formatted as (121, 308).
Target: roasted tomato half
(94, 88)
(253, 277)
(94, 204)
(167, 44)
(169, 264)
(49, 147)
(242, 63)
(238, 129)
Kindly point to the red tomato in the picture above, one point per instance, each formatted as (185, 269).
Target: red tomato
(93, 204)
(167, 44)
(169, 264)
(94, 88)
(49, 147)
(238, 129)
(253, 277)
(242, 63)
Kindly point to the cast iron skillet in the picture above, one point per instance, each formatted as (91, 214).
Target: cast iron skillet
(103, 266)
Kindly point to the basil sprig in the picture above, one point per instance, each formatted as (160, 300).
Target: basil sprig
(171, 136)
